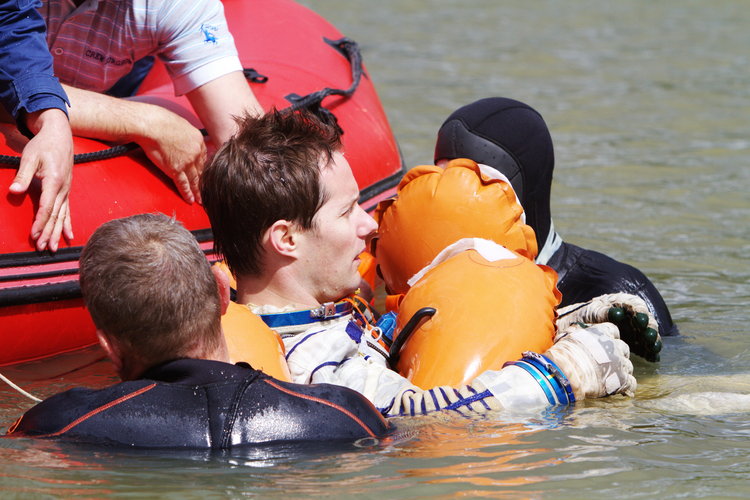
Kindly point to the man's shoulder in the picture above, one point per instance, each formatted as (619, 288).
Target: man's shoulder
(80, 395)
(59, 412)
(175, 382)
(312, 412)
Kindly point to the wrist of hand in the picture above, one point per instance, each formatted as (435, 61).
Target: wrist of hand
(527, 384)
(52, 117)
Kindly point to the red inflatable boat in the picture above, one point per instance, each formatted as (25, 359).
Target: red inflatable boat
(292, 57)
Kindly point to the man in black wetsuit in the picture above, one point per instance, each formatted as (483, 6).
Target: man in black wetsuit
(157, 310)
(513, 138)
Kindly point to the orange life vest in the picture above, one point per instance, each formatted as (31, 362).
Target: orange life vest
(435, 207)
(250, 340)
(491, 305)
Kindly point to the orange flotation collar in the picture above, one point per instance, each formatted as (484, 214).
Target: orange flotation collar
(250, 340)
(435, 207)
(487, 312)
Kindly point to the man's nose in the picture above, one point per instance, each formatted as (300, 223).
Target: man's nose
(367, 225)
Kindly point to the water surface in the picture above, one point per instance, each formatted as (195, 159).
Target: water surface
(649, 106)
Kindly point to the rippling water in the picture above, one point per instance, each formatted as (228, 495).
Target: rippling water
(649, 107)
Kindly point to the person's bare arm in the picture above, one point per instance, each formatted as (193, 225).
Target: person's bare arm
(217, 103)
(170, 141)
(48, 156)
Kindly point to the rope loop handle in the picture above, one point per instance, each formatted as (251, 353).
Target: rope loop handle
(313, 101)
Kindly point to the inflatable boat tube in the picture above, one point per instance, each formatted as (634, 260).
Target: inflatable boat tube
(300, 58)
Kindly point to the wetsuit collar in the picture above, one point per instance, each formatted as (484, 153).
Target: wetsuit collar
(325, 312)
(191, 371)
(550, 246)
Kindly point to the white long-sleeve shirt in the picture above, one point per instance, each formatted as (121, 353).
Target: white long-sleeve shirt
(342, 352)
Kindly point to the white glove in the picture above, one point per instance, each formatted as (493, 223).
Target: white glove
(594, 360)
(629, 313)
(593, 363)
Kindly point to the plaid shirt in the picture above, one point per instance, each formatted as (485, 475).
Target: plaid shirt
(97, 43)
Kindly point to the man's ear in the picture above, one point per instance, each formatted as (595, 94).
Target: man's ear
(111, 349)
(222, 283)
(282, 237)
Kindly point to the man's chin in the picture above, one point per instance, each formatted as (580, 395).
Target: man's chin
(353, 287)
(343, 291)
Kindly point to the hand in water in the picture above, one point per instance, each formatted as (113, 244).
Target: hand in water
(629, 313)
(594, 359)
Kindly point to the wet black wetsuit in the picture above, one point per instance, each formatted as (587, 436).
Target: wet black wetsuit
(191, 403)
(585, 274)
(513, 138)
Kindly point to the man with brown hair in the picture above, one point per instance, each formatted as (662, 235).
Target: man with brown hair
(283, 205)
(157, 309)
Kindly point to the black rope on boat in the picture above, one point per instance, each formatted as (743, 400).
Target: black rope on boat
(104, 154)
(7, 161)
(313, 101)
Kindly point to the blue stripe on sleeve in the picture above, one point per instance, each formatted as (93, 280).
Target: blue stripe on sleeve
(472, 399)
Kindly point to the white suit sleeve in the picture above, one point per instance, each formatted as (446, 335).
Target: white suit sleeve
(596, 360)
